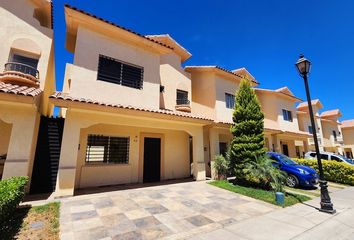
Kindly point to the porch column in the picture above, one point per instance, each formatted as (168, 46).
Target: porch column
(65, 185)
(214, 148)
(22, 145)
(198, 155)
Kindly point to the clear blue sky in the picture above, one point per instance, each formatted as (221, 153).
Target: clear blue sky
(266, 37)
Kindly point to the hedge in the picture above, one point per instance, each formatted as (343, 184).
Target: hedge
(333, 171)
(12, 191)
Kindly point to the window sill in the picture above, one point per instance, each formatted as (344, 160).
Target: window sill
(106, 164)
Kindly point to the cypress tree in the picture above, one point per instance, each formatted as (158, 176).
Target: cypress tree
(248, 131)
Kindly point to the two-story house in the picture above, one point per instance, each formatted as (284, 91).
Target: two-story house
(347, 129)
(126, 102)
(214, 90)
(26, 80)
(281, 127)
(327, 125)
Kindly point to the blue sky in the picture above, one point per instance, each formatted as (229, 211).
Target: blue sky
(266, 37)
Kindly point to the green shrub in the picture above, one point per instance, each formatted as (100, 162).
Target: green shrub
(12, 192)
(265, 175)
(333, 171)
(221, 166)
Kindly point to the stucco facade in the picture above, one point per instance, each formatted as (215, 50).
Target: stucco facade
(26, 34)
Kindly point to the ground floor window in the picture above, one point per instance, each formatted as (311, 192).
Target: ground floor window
(223, 148)
(107, 149)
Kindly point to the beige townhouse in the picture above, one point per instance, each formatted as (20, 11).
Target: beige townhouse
(26, 81)
(329, 135)
(281, 126)
(126, 101)
(213, 90)
(347, 129)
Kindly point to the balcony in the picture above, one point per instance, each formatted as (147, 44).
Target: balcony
(312, 142)
(20, 74)
(183, 105)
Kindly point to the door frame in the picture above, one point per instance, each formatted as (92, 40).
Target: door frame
(141, 154)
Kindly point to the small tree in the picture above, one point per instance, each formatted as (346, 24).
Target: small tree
(248, 131)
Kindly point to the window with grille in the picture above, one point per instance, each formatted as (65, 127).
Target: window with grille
(182, 97)
(230, 100)
(287, 116)
(106, 149)
(119, 72)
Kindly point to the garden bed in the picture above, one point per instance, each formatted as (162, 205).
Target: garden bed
(260, 194)
(34, 223)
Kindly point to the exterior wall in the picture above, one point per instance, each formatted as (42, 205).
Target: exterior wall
(173, 77)
(268, 101)
(175, 162)
(204, 94)
(327, 132)
(223, 86)
(21, 147)
(22, 33)
(5, 130)
(348, 136)
(83, 73)
(175, 157)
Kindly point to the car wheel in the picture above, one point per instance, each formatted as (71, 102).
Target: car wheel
(292, 181)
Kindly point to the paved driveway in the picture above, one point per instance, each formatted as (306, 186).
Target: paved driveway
(174, 211)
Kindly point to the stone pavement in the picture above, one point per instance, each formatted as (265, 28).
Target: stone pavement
(300, 222)
(174, 211)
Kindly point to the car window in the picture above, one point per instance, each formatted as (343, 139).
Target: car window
(312, 154)
(335, 158)
(324, 156)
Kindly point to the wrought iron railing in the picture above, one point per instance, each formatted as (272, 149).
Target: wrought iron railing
(23, 68)
(183, 102)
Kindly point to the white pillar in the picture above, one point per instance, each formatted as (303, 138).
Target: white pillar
(214, 148)
(198, 155)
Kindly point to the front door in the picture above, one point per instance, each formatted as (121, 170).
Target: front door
(152, 159)
(285, 150)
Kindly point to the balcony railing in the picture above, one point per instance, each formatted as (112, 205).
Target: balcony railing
(183, 105)
(312, 142)
(183, 102)
(20, 74)
(23, 68)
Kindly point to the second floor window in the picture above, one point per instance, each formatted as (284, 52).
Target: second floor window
(230, 100)
(182, 97)
(287, 116)
(334, 135)
(115, 71)
(310, 129)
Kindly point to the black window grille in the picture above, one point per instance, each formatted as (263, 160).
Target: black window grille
(106, 149)
(230, 100)
(119, 72)
(182, 97)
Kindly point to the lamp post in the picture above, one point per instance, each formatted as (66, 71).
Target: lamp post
(303, 66)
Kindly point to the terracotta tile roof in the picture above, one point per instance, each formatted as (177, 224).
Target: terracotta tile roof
(19, 90)
(219, 68)
(313, 102)
(284, 90)
(331, 113)
(347, 123)
(118, 26)
(67, 97)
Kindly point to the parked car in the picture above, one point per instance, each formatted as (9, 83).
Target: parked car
(298, 175)
(329, 156)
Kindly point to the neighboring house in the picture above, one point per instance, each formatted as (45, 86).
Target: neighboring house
(281, 127)
(26, 80)
(327, 125)
(347, 128)
(128, 117)
(214, 90)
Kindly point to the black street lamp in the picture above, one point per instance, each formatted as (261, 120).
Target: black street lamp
(303, 66)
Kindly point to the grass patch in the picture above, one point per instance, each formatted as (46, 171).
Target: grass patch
(260, 194)
(40, 222)
(315, 193)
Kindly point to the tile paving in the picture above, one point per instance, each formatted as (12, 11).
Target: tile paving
(174, 211)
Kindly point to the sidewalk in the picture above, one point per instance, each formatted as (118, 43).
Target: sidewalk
(302, 221)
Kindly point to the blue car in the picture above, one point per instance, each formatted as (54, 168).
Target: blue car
(298, 175)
